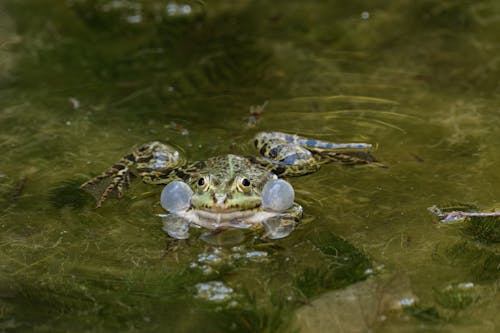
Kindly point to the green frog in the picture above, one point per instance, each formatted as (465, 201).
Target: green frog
(228, 191)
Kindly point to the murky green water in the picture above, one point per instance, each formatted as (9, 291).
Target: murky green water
(83, 81)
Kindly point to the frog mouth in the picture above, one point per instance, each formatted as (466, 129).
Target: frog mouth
(235, 219)
(224, 214)
(239, 219)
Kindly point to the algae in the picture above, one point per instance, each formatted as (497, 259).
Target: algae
(84, 81)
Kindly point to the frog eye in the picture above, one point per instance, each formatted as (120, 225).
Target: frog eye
(243, 184)
(203, 183)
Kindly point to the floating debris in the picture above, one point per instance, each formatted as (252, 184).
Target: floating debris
(365, 15)
(482, 226)
(214, 291)
(179, 128)
(255, 113)
(457, 215)
(74, 102)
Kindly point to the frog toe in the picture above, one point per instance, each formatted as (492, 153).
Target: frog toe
(175, 226)
(111, 183)
(278, 227)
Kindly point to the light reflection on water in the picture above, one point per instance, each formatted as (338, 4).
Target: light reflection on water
(397, 76)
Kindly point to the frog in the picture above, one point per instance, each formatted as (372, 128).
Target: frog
(228, 191)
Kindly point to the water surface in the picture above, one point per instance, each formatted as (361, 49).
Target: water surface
(83, 81)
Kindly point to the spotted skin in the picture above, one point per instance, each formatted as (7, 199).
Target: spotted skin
(291, 155)
(152, 162)
(227, 189)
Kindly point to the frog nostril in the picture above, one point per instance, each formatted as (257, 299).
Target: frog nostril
(220, 198)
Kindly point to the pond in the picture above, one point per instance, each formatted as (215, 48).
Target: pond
(82, 82)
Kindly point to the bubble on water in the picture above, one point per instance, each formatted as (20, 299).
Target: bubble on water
(176, 196)
(277, 195)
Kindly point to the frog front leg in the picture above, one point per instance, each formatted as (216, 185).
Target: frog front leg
(283, 224)
(153, 162)
(175, 226)
(292, 155)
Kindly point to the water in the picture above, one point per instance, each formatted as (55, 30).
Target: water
(82, 82)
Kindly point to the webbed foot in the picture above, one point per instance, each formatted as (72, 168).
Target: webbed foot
(292, 155)
(153, 162)
(175, 226)
(277, 228)
(282, 225)
(111, 182)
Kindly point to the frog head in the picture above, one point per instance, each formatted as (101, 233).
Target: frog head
(229, 190)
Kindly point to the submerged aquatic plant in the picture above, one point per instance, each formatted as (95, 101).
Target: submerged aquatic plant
(343, 265)
(482, 263)
(68, 194)
(483, 226)
(348, 264)
(456, 296)
(249, 313)
(7, 186)
(423, 313)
